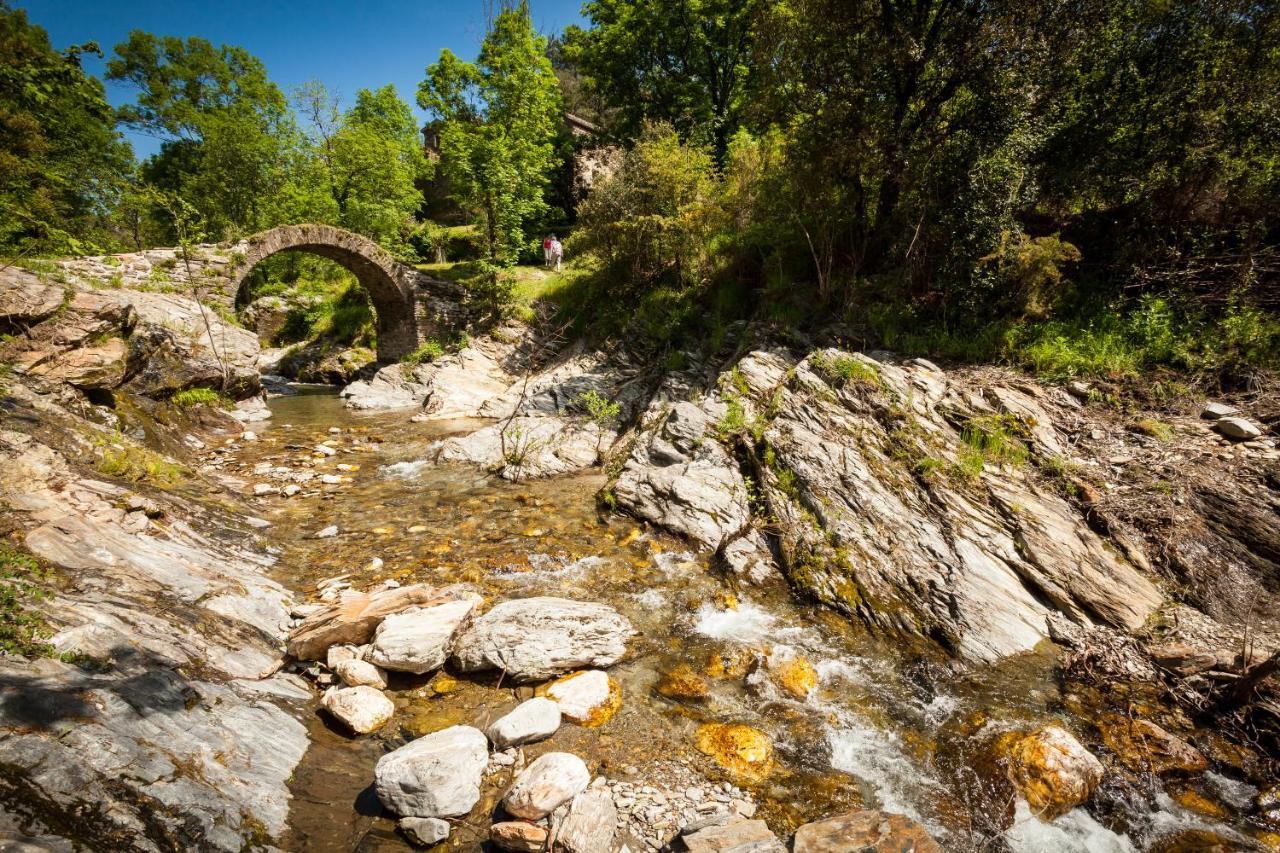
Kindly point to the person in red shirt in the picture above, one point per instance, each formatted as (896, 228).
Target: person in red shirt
(546, 251)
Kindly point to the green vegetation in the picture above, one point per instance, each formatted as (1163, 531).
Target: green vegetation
(990, 439)
(433, 349)
(23, 581)
(199, 397)
(120, 456)
(845, 370)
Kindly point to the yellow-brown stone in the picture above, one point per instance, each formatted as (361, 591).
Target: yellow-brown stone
(1050, 768)
(794, 674)
(742, 750)
(1193, 800)
(1143, 746)
(683, 683)
(730, 665)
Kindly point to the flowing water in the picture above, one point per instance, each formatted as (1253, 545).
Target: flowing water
(889, 726)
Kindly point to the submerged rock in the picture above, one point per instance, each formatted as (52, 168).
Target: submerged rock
(532, 720)
(551, 780)
(537, 638)
(424, 831)
(437, 775)
(1143, 746)
(734, 836)
(740, 749)
(864, 830)
(682, 683)
(418, 640)
(1051, 769)
(361, 709)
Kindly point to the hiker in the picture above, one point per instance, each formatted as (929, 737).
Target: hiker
(557, 251)
(546, 251)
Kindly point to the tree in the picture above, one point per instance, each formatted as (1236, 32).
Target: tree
(62, 163)
(227, 128)
(498, 124)
(370, 156)
(684, 62)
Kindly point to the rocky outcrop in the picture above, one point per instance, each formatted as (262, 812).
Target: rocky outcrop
(162, 734)
(456, 385)
(532, 639)
(151, 344)
(896, 494)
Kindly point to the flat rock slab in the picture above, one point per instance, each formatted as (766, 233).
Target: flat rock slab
(434, 776)
(864, 830)
(418, 640)
(743, 836)
(533, 639)
(1237, 428)
(550, 781)
(590, 825)
(354, 619)
(534, 720)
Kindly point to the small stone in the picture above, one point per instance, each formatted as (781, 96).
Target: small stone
(330, 479)
(590, 824)
(328, 532)
(534, 720)
(683, 683)
(361, 709)
(355, 673)
(1051, 768)
(753, 835)
(325, 450)
(292, 489)
(261, 489)
(337, 654)
(424, 831)
(1079, 389)
(519, 836)
(792, 673)
(552, 779)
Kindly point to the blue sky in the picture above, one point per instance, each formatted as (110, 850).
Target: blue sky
(346, 45)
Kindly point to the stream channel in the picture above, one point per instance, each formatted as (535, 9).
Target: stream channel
(888, 726)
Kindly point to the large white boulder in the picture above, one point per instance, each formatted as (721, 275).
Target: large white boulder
(541, 788)
(533, 639)
(536, 719)
(434, 776)
(419, 640)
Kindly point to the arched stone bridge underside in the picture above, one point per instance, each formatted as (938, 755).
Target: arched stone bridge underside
(391, 285)
(410, 306)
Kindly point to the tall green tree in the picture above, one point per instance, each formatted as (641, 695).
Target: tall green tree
(62, 163)
(498, 120)
(227, 129)
(688, 63)
(369, 158)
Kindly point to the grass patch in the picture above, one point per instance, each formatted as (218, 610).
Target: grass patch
(119, 456)
(1157, 429)
(22, 584)
(990, 439)
(190, 397)
(433, 349)
(842, 370)
(734, 421)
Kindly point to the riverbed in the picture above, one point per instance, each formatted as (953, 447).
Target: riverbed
(890, 725)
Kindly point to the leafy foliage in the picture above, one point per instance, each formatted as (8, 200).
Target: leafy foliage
(23, 582)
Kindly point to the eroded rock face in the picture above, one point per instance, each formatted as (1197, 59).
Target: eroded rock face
(1051, 769)
(434, 776)
(865, 830)
(418, 640)
(552, 779)
(532, 639)
(861, 466)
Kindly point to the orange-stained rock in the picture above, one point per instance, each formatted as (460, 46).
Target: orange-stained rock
(1193, 800)
(792, 673)
(738, 748)
(1143, 746)
(734, 664)
(682, 683)
(1050, 768)
(589, 698)
(519, 836)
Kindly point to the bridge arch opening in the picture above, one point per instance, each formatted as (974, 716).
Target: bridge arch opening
(376, 270)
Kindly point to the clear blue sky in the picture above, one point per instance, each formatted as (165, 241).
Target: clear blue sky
(346, 45)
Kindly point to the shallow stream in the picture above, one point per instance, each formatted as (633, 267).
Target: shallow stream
(888, 726)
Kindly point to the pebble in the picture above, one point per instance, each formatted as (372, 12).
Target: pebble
(325, 450)
(328, 532)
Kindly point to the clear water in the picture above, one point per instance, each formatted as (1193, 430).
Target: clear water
(890, 726)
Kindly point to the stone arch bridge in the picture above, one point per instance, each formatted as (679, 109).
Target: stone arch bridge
(410, 305)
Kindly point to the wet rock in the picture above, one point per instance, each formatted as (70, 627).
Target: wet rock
(864, 830)
(682, 683)
(1195, 841)
(1051, 769)
(792, 672)
(355, 673)
(552, 779)
(437, 775)
(361, 709)
(1143, 746)
(354, 619)
(424, 831)
(418, 640)
(537, 638)
(1267, 807)
(740, 836)
(587, 698)
(1237, 428)
(590, 825)
(740, 749)
(519, 836)
(533, 720)
(327, 532)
